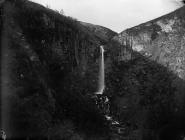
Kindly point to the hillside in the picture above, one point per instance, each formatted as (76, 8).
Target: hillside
(49, 76)
(49, 62)
(161, 40)
(100, 31)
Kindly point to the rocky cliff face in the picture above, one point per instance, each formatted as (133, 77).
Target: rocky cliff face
(161, 40)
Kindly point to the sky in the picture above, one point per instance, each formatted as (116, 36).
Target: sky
(117, 15)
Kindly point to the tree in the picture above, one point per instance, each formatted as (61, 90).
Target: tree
(61, 12)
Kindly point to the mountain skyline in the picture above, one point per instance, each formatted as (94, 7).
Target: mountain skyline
(118, 15)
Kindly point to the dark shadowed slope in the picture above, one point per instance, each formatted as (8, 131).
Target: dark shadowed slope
(49, 66)
(145, 97)
(100, 31)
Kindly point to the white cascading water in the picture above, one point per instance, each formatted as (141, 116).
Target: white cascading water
(101, 85)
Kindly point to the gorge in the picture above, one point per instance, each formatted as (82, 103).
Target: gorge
(57, 82)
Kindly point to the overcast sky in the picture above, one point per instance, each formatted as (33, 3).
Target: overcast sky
(114, 14)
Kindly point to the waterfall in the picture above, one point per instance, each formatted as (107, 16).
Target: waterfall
(102, 101)
(101, 84)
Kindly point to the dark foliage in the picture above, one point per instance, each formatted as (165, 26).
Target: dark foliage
(47, 94)
(143, 96)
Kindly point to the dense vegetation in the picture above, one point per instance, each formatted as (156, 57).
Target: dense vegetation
(144, 97)
(53, 65)
(146, 101)
(50, 96)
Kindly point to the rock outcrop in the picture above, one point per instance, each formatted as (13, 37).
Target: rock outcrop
(161, 40)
